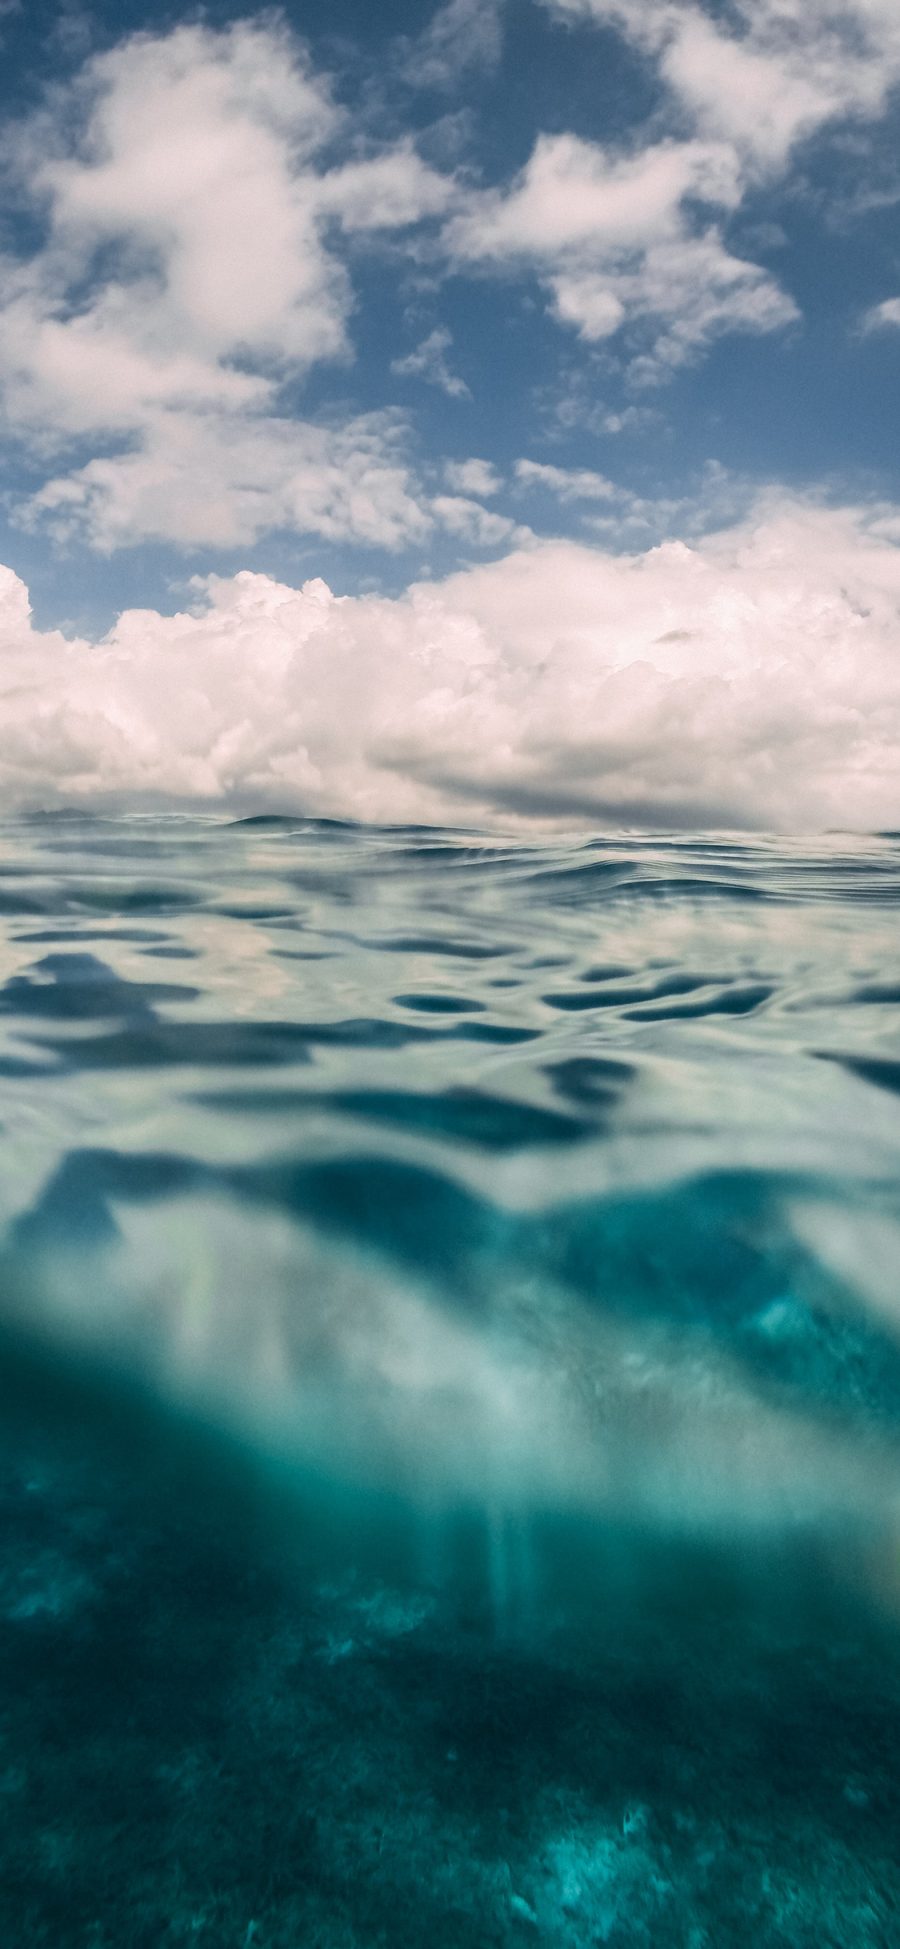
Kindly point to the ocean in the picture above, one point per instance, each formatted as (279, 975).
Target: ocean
(450, 1450)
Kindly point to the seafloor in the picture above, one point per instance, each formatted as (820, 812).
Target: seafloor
(219, 1730)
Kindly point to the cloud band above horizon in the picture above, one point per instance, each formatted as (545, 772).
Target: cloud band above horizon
(749, 680)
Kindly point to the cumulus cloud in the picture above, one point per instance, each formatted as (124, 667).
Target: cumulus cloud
(384, 192)
(193, 199)
(188, 175)
(206, 479)
(221, 482)
(187, 268)
(622, 239)
(749, 679)
(637, 237)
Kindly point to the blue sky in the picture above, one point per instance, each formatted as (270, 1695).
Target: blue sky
(811, 401)
(382, 294)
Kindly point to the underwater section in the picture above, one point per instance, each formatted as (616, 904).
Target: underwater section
(450, 1330)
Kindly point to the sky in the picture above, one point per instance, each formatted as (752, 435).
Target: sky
(483, 412)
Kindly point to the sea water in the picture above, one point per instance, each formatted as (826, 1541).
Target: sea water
(450, 1331)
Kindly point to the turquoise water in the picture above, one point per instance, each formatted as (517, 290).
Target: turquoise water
(451, 1386)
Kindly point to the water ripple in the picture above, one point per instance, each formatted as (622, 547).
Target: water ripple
(534, 1186)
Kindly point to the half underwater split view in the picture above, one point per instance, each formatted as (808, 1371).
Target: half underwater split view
(451, 1387)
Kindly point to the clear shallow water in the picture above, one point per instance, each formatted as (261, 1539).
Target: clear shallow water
(450, 1325)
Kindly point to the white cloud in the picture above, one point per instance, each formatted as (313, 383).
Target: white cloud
(222, 483)
(429, 362)
(197, 194)
(618, 239)
(568, 483)
(192, 172)
(758, 91)
(462, 516)
(385, 192)
(478, 477)
(768, 74)
(207, 479)
(188, 269)
(884, 315)
(574, 194)
(751, 678)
